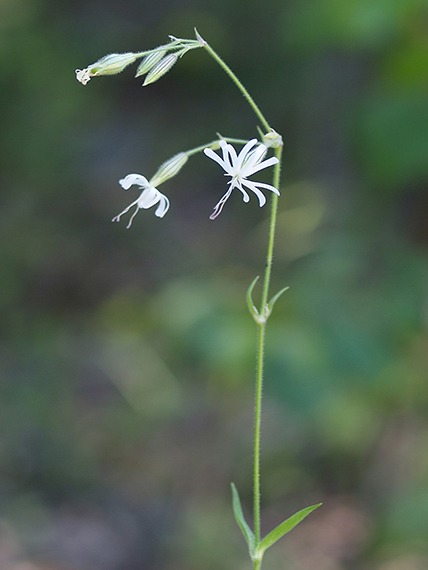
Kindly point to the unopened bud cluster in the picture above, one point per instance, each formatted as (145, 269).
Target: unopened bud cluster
(155, 63)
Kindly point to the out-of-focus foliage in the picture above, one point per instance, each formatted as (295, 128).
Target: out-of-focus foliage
(127, 357)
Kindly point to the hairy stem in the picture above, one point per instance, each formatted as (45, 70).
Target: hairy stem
(263, 307)
(260, 355)
(242, 89)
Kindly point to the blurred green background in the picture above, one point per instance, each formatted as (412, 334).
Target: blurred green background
(127, 357)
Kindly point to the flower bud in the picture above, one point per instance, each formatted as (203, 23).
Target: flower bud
(149, 61)
(271, 139)
(108, 65)
(169, 168)
(160, 68)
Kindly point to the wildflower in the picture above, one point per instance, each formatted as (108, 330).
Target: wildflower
(148, 197)
(240, 167)
(107, 65)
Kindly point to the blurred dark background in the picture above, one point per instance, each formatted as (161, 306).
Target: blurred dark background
(127, 356)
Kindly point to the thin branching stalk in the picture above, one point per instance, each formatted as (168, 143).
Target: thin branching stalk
(238, 84)
(264, 312)
(261, 353)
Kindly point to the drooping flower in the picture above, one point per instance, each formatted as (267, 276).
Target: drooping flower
(148, 197)
(239, 167)
(108, 65)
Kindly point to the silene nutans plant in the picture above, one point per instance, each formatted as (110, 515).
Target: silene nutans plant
(239, 166)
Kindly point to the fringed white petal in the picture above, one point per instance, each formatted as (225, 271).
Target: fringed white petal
(240, 167)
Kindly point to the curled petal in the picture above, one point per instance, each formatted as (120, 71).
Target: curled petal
(239, 184)
(131, 179)
(253, 187)
(249, 184)
(163, 207)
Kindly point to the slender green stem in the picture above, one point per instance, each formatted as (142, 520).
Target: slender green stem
(212, 144)
(257, 429)
(272, 229)
(175, 44)
(238, 84)
(260, 356)
(264, 314)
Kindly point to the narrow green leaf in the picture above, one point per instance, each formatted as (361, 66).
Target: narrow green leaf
(275, 299)
(251, 307)
(239, 516)
(282, 529)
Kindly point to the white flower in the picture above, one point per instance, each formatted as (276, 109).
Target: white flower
(148, 197)
(240, 167)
